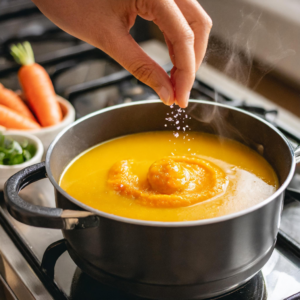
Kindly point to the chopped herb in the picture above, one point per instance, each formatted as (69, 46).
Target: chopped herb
(14, 153)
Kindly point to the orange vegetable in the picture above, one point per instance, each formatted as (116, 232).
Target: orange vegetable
(11, 100)
(173, 181)
(12, 120)
(37, 86)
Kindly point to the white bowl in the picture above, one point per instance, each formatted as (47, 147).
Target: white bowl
(7, 171)
(48, 134)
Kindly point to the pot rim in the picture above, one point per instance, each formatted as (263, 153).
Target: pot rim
(160, 223)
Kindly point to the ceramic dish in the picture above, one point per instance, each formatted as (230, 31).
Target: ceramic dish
(7, 171)
(48, 134)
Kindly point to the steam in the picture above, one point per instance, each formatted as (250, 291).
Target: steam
(237, 58)
(216, 120)
(211, 116)
(236, 54)
(239, 64)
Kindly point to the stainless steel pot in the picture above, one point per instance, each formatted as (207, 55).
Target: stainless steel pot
(161, 260)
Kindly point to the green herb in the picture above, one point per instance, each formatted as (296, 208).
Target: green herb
(14, 153)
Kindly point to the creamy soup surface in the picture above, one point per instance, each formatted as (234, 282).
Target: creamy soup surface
(156, 176)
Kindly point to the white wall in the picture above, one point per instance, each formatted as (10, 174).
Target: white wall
(268, 30)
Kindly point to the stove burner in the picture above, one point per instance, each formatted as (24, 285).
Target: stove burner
(85, 287)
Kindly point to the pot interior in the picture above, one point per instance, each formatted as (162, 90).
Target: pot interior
(151, 116)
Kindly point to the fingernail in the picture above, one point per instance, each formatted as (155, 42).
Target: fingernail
(164, 95)
(187, 99)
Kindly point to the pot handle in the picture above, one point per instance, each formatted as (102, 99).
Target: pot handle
(40, 216)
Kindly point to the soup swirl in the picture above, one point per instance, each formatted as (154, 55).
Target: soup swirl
(159, 177)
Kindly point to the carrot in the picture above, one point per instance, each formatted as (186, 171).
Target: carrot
(10, 99)
(37, 86)
(12, 120)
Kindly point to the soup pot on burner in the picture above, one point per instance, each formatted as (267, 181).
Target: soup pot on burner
(161, 260)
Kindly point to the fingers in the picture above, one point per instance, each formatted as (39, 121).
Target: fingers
(128, 53)
(173, 24)
(169, 18)
(200, 23)
(170, 47)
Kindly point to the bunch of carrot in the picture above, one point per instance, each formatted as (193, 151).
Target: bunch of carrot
(38, 90)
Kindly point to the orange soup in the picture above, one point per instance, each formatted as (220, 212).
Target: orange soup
(160, 177)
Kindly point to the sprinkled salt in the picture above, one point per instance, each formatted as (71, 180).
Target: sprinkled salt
(177, 118)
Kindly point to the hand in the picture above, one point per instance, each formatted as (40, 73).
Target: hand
(106, 24)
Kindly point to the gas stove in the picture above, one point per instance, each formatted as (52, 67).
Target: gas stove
(34, 263)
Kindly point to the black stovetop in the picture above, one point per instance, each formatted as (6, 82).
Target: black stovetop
(82, 284)
(97, 82)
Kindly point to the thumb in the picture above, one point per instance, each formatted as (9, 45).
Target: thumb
(132, 57)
